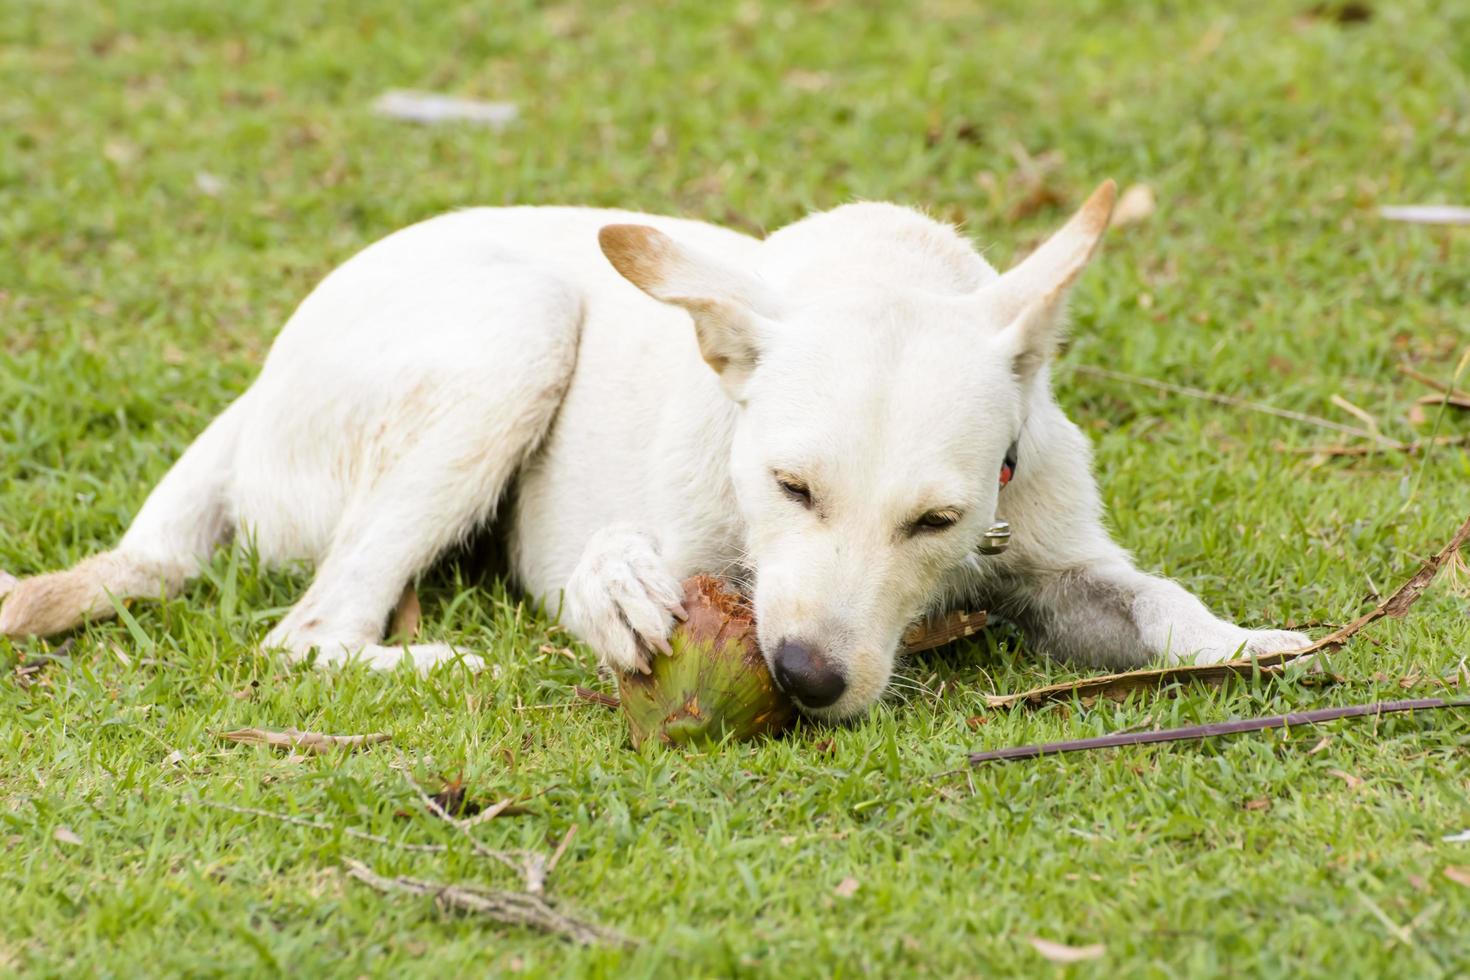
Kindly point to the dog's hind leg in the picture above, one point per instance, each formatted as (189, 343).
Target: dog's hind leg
(180, 524)
(452, 450)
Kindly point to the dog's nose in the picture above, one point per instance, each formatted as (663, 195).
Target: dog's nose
(807, 676)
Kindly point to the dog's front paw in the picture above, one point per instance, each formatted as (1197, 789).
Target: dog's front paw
(1261, 642)
(1249, 643)
(622, 600)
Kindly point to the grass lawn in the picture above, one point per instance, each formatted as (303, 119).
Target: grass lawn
(175, 176)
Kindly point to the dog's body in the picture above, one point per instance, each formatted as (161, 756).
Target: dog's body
(832, 429)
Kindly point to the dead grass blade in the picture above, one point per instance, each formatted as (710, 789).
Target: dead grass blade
(510, 908)
(292, 739)
(1412, 448)
(1119, 686)
(316, 825)
(1456, 399)
(1062, 953)
(1231, 400)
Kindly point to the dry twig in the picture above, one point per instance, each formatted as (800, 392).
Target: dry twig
(293, 739)
(1412, 448)
(511, 908)
(1231, 400)
(1196, 732)
(526, 863)
(596, 697)
(1430, 381)
(316, 825)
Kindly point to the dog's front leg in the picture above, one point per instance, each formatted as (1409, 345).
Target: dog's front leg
(1108, 613)
(1075, 592)
(622, 599)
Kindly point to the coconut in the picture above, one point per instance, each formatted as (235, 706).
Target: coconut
(716, 684)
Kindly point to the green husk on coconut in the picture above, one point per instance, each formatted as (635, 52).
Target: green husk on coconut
(715, 685)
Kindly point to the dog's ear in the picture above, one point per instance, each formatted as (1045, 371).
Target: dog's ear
(1032, 297)
(726, 304)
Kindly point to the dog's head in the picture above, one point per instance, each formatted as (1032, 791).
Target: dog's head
(873, 425)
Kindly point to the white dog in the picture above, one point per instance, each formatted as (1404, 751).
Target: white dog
(832, 413)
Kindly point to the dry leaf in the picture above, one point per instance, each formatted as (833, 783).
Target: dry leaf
(1460, 876)
(1062, 953)
(1135, 206)
(292, 738)
(942, 630)
(1034, 185)
(846, 888)
(65, 835)
(1463, 837)
(1322, 743)
(404, 625)
(174, 758)
(1259, 803)
(1353, 781)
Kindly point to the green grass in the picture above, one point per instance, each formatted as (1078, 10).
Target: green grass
(134, 306)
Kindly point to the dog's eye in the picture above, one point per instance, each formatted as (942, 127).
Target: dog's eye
(795, 489)
(937, 520)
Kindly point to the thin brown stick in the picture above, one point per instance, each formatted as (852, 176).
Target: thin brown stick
(1457, 399)
(1231, 400)
(316, 825)
(1119, 686)
(511, 908)
(566, 840)
(1431, 381)
(596, 697)
(1197, 732)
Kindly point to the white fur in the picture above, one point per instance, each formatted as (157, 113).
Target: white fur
(868, 352)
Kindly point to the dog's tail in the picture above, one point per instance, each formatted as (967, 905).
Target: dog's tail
(183, 520)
